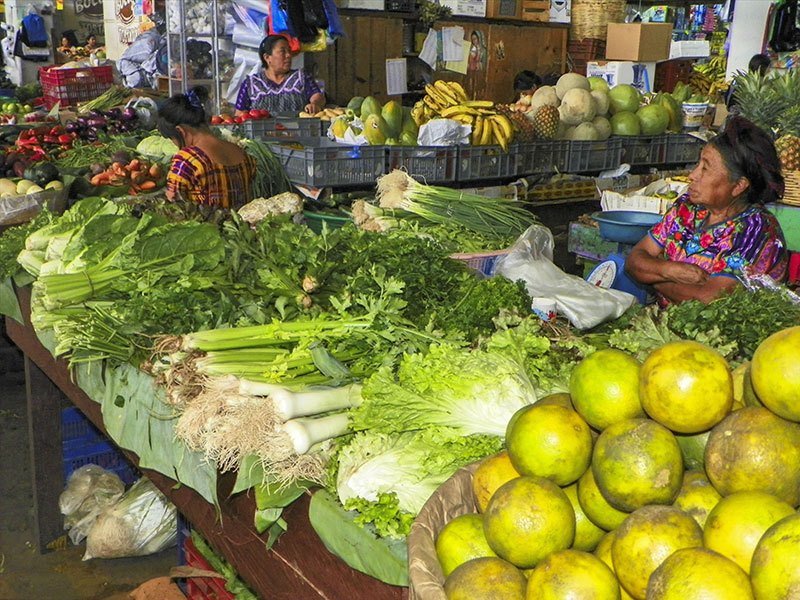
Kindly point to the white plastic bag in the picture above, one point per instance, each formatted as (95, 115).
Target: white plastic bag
(90, 489)
(140, 522)
(530, 260)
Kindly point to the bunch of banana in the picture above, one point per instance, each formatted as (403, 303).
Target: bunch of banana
(492, 129)
(709, 78)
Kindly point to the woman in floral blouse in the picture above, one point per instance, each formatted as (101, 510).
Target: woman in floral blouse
(720, 229)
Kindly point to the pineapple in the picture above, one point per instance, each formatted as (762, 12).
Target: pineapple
(758, 100)
(523, 128)
(788, 144)
(545, 122)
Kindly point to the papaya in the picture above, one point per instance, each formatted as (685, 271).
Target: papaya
(674, 110)
(392, 113)
(375, 130)
(339, 126)
(370, 106)
(355, 104)
(411, 128)
(408, 138)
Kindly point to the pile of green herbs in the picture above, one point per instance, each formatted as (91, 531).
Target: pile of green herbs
(12, 242)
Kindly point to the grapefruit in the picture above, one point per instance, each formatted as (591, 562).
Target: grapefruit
(624, 97)
(549, 441)
(698, 573)
(587, 534)
(625, 123)
(462, 539)
(603, 552)
(485, 579)
(604, 388)
(738, 521)
(595, 506)
(753, 449)
(775, 372)
(653, 118)
(645, 540)
(597, 83)
(558, 398)
(527, 519)
(697, 496)
(572, 574)
(686, 386)
(775, 570)
(637, 462)
(493, 472)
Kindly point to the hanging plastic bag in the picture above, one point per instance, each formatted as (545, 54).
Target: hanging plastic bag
(142, 521)
(90, 490)
(278, 24)
(335, 28)
(320, 44)
(585, 305)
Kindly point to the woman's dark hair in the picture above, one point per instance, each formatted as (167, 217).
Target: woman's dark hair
(90, 36)
(748, 151)
(526, 80)
(268, 45)
(759, 62)
(70, 36)
(182, 109)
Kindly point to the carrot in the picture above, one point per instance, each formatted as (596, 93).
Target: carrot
(134, 165)
(138, 177)
(116, 166)
(155, 171)
(147, 185)
(99, 179)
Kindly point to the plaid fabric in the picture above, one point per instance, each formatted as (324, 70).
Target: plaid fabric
(259, 92)
(194, 176)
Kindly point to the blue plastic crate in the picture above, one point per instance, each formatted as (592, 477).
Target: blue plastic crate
(75, 426)
(484, 263)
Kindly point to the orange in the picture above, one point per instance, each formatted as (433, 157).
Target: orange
(637, 462)
(605, 388)
(775, 373)
(603, 552)
(549, 441)
(775, 570)
(738, 521)
(753, 449)
(527, 519)
(686, 386)
(587, 534)
(462, 539)
(693, 448)
(558, 398)
(697, 496)
(698, 573)
(493, 472)
(485, 579)
(597, 508)
(645, 540)
(572, 574)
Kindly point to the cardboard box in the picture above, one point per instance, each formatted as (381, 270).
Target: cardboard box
(641, 42)
(690, 49)
(504, 9)
(560, 11)
(641, 75)
(536, 10)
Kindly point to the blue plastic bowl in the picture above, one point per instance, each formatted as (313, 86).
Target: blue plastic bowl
(625, 226)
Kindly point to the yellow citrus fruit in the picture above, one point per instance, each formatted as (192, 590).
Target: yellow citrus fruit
(572, 574)
(698, 573)
(527, 519)
(775, 372)
(550, 441)
(693, 448)
(558, 398)
(755, 450)
(587, 534)
(750, 398)
(637, 462)
(605, 388)
(775, 570)
(738, 521)
(597, 508)
(493, 472)
(462, 539)
(485, 579)
(603, 552)
(645, 540)
(697, 496)
(686, 386)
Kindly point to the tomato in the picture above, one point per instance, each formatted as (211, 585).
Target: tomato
(254, 114)
(216, 120)
(239, 119)
(227, 119)
(264, 113)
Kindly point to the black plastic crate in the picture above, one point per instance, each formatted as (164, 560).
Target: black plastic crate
(594, 156)
(279, 127)
(319, 162)
(683, 149)
(400, 5)
(644, 149)
(429, 164)
(484, 162)
(541, 156)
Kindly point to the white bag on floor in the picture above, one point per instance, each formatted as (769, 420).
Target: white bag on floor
(90, 490)
(585, 305)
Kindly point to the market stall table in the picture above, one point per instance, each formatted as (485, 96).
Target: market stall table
(298, 566)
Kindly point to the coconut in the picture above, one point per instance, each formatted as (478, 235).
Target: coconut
(577, 106)
(570, 81)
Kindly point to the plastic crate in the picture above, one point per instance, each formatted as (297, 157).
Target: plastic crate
(319, 162)
(670, 72)
(70, 86)
(483, 262)
(202, 588)
(683, 149)
(594, 156)
(279, 127)
(314, 220)
(429, 164)
(541, 156)
(400, 5)
(484, 162)
(644, 149)
(75, 426)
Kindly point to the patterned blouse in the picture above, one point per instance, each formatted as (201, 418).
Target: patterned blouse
(194, 176)
(292, 95)
(751, 239)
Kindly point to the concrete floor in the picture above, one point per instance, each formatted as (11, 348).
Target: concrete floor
(60, 574)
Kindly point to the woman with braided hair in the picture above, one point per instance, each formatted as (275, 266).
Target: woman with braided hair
(720, 229)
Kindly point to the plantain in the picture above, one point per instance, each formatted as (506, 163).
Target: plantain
(505, 124)
(459, 109)
(446, 92)
(431, 103)
(487, 133)
(479, 103)
(463, 118)
(437, 96)
(477, 131)
(458, 91)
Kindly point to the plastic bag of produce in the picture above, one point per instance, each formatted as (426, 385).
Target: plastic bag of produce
(90, 490)
(585, 305)
(142, 521)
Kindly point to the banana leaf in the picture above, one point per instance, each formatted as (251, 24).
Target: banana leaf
(9, 305)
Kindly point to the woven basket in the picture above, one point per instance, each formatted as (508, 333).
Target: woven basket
(791, 194)
(590, 18)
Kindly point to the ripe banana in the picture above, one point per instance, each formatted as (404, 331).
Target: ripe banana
(477, 130)
(446, 91)
(437, 96)
(458, 91)
(505, 125)
(487, 133)
(431, 103)
(463, 118)
(479, 103)
(458, 109)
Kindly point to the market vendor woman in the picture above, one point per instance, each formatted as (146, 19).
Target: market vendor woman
(206, 169)
(277, 88)
(720, 229)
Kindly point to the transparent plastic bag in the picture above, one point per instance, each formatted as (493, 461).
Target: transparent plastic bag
(90, 489)
(142, 521)
(585, 305)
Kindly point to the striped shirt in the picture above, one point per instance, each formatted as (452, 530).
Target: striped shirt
(194, 176)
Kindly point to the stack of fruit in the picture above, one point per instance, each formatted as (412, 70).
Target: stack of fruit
(389, 124)
(708, 78)
(672, 479)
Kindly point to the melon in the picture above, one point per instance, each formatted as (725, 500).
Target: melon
(585, 132)
(603, 127)
(601, 101)
(598, 83)
(624, 97)
(569, 81)
(544, 96)
(7, 187)
(577, 106)
(625, 123)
